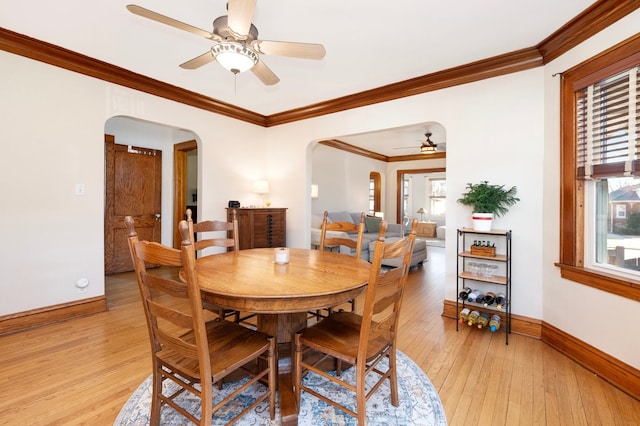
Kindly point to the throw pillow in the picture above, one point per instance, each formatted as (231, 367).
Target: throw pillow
(372, 224)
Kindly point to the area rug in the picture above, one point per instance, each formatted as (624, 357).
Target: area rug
(419, 403)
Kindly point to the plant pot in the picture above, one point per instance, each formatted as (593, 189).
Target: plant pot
(482, 221)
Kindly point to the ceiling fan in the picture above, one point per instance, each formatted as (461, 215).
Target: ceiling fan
(427, 147)
(237, 47)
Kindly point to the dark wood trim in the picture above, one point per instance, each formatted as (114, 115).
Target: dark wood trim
(377, 190)
(413, 157)
(492, 67)
(338, 144)
(621, 375)
(180, 151)
(597, 17)
(519, 324)
(605, 282)
(399, 177)
(72, 61)
(572, 216)
(50, 314)
(594, 19)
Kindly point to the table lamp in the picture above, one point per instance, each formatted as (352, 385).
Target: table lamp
(422, 212)
(261, 187)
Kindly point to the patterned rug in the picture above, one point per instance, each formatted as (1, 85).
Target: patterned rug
(419, 403)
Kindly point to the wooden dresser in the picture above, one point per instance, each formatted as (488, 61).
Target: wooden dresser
(261, 227)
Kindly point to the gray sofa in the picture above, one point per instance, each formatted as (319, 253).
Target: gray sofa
(370, 234)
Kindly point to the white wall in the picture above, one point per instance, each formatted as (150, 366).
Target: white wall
(601, 319)
(504, 130)
(53, 125)
(342, 179)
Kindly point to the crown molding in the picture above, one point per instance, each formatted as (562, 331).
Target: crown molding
(594, 19)
(60, 57)
(498, 65)
(597, 17)
(338, 144)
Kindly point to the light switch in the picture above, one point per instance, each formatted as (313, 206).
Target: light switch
(80, 189)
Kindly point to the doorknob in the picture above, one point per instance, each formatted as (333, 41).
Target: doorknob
(157, 216)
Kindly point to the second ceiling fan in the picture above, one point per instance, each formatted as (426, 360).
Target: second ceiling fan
(427, 146)
(237, 47)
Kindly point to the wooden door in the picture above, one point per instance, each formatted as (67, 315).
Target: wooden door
(133, 188)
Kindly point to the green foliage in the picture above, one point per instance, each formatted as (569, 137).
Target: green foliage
(486, 198)
(633, 221)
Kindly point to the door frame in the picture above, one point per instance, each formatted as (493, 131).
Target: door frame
(400, 177)
(180, 151)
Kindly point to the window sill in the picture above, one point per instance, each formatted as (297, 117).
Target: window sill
(601, 281)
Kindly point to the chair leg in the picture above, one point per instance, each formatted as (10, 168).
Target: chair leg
(272, 377)
(361, 400)
(297, 366)
(155, 400)
(393, 378)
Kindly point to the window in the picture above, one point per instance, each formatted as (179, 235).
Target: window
(374, 192)
(437, 197)
(406, 194)
(600, 171)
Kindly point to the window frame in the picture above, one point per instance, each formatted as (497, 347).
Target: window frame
(572, 189)
(376, 179)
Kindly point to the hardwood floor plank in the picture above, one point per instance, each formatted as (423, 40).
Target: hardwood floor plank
(82, 371)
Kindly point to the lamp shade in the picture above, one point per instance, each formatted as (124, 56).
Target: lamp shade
(421, 210)
(261, 187)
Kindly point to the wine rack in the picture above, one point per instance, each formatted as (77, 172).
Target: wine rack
(496, 276)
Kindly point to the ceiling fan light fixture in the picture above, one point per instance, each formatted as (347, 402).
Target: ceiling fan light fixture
(428, 149)
(234, 56)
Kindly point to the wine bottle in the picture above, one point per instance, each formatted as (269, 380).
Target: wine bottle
(494, 324)
(464, 294)
(500, 300)
(489, 298)
(483, 320)
(473, 318)
(473, 295)
(463, 316)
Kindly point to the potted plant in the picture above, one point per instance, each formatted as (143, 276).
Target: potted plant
(487, 201)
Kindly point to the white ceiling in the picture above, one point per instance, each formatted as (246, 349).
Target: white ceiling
(369, 43)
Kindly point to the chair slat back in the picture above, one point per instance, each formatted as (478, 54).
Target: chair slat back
(383, 298)
(338, 241)
(173, 308)
(229, 241)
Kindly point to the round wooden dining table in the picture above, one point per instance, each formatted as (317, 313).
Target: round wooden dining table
(251, 281)
(281, 295)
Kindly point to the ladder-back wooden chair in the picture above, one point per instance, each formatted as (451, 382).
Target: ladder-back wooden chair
(360, 340)
(225, 235)
(184, 348)
(354, 245)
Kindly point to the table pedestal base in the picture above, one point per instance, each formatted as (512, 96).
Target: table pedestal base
(283, 326)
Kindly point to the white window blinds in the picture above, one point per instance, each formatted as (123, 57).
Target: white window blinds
(608, 126)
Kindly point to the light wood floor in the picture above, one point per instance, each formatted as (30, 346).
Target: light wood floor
(82, 371)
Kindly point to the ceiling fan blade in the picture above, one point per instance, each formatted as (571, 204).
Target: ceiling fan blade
(406, 147)
(262, 71)
(154, 16)
(240, 15)
(288, 48)
(199, 61)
